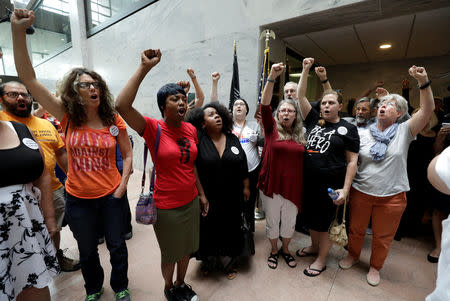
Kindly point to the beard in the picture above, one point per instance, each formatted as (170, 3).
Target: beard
(12, 108)
(361, 119)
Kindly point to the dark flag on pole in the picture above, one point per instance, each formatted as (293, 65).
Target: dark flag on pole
(234, 91)
(264, 73)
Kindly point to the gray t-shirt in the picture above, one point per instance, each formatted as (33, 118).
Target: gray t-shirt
(388, 176)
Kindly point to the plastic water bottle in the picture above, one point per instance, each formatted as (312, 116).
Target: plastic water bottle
(333, 194)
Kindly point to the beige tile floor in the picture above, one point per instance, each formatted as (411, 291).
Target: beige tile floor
(406, 275)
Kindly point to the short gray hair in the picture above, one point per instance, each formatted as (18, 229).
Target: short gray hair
(400, 101)
(289, 83)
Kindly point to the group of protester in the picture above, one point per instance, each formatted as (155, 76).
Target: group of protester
(209, 174)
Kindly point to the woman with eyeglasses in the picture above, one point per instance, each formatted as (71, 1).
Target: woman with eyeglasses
(95, 188)
(280, 179)
(330, 162)
(380, 184)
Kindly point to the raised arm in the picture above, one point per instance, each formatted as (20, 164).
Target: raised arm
(419, 120)
(200, 96)
(21, 19)
(275, 71)
(322, 75)
(303, 102)
(124, 102)
(215, 79)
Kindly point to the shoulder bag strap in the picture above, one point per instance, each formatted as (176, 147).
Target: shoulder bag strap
(158, 136)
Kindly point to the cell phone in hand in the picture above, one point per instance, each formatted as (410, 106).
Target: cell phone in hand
(191, 98)
(446, 125)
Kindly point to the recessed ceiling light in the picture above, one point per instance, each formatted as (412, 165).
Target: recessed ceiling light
(385, 45)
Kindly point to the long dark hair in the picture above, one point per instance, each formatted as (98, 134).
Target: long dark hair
(73, 103)
(197, 116)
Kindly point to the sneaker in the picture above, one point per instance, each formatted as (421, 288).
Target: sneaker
(170, 294)
(123, 295)
(128, 235)
(67, 264)
(185, 292)
(94, 296)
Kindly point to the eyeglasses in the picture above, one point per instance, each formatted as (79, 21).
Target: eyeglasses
(87, 85)
(238, 104)
(15, 95)
(388, 104)
(290, 111)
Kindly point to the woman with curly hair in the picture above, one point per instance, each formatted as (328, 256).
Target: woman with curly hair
(222, 169)
(95, 188)
(280, 179)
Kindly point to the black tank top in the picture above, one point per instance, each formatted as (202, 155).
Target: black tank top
(22, 164)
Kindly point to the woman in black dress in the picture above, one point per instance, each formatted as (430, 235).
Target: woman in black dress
(222, 169)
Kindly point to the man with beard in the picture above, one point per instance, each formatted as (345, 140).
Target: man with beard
(16, 106)
(363, 117)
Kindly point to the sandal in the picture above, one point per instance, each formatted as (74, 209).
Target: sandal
(303, 253)
(272, 259)
(288, 258)
(309, 274)
(231, 274)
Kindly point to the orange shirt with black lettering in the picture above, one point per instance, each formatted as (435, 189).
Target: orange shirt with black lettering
(91, 157)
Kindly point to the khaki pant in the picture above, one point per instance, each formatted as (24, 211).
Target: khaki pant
(386, 213)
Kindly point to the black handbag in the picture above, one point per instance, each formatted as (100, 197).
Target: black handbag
(248, 248)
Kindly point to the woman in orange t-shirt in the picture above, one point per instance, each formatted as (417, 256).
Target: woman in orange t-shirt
(95, 189)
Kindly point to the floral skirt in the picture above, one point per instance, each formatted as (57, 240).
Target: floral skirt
(27, 254)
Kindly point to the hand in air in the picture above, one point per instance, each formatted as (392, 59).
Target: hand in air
(191, 73)
(321, 72)
(150, 57)
(215, 76)
(419, 73)
(276, 70)
(22, 19)
(308, 62)
(186, 85)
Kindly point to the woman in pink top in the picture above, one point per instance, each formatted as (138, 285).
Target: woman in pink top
(280, 179)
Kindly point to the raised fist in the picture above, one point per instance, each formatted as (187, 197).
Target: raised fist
(321, 72)
(276, 70)
(215, 76)
(150, 57)
(22, 19)
(308, 62)
(185, 85)
(420, 74)
(191, 73)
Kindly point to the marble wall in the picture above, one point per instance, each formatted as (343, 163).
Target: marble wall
(190, 33)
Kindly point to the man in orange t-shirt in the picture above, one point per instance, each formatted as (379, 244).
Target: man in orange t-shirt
(16, 106)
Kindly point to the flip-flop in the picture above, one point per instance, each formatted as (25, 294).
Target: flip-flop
(305, 271)
(306, 254)
(273, 258)
(288, 258)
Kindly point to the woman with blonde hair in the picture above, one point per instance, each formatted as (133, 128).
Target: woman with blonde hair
(280, 179)
(330, 162)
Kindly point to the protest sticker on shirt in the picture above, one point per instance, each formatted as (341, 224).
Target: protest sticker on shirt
(235, 150)
(30, 143)
(342, 130)
(114, 130)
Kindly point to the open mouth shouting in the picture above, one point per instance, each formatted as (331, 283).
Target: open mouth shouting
(181, 111)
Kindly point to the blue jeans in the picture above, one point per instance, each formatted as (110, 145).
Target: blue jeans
(85, 216)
